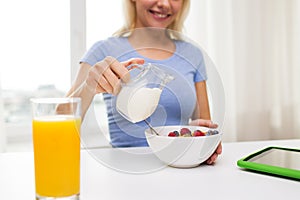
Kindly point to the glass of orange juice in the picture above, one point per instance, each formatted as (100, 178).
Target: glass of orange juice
(56, 141)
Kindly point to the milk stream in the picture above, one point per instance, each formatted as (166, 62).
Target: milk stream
(138, 104)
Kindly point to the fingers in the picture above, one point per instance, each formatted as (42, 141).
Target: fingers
(219, 149)
(204, 122)
(215, 155)
(115, 70)
(106, 75)
(212, 159)
(139, 61)
(96, 83)
(127, 63)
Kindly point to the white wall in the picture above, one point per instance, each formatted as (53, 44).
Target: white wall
(2, 130)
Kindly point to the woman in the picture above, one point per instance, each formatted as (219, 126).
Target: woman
(151, 35)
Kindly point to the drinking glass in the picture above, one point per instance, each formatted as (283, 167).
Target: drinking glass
(56, 141)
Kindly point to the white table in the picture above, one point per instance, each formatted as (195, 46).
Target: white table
(224, 180)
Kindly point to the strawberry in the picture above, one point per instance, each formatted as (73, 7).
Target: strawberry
(198, 133)
(172, 134)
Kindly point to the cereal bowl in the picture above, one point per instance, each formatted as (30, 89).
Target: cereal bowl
(181, 150)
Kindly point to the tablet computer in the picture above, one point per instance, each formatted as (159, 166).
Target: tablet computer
(278, 161)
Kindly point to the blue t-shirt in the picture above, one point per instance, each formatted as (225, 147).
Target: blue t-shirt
(178, 98)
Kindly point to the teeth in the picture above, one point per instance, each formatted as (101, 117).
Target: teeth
(161, 15)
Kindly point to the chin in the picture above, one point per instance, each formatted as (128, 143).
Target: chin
(159, 26)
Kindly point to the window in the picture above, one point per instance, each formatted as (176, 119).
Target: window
(35, 57)
(36, 54)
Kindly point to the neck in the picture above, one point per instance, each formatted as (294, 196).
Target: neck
(150, 36)
(153, 43)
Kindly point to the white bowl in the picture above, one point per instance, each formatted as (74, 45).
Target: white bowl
(182, 152)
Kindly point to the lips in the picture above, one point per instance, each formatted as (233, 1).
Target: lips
(159, 15)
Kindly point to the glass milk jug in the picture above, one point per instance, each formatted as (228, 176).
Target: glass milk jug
(139, 97)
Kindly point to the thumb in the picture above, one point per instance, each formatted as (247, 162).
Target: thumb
(131, 61)
(203, 122)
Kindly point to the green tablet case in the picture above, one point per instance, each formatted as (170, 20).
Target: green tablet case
(269, 169)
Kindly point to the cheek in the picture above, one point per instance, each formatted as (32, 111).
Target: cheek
(144, 4)
(177, 6)
(176, 9)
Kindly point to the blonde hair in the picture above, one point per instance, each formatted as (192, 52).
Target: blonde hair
(174, 30)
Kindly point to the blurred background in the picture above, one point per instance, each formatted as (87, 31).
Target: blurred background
(253, 44)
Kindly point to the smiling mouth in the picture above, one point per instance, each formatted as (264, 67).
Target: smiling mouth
(159, 15)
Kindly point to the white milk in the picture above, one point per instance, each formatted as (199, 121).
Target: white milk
(138, 104)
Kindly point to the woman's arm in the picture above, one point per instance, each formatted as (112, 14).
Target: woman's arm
(202, 110)
(202, 116)
(81, 89)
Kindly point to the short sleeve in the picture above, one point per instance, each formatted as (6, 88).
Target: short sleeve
(200, 74)
(94, 54)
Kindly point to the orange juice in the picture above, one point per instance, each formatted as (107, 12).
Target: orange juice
(57, 155)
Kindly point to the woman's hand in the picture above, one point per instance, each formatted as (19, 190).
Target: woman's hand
(209, 124)
(203, 122)
(106, 75)
(215, 155)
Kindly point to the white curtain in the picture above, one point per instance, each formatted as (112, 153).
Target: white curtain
(254, 45)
